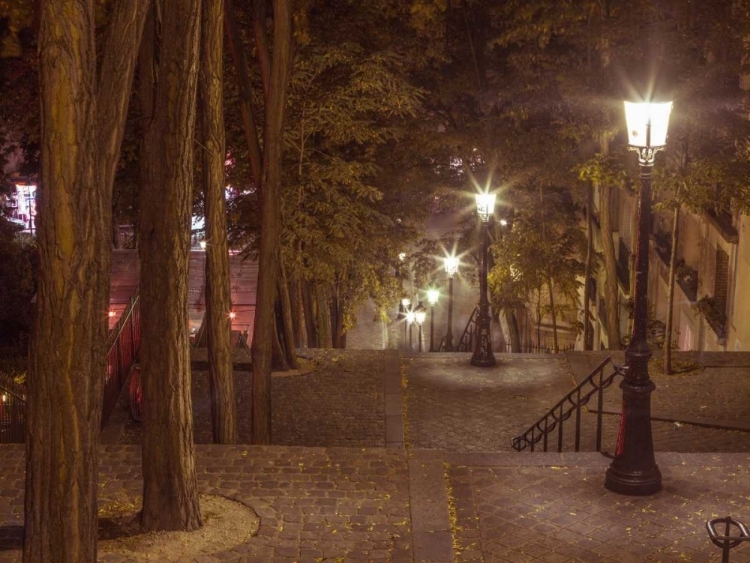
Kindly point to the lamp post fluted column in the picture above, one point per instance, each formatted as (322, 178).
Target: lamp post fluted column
(432, 297)
(451, 267)
(633, 470)
(483, 356)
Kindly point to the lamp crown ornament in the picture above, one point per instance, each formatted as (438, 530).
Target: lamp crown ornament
(647, 124)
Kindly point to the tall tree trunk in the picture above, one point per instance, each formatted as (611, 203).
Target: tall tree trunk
(246, 92)
(670, 292)
(262, 346)
(278, 354)
(81, 134)
(308, 306)
(295, 308)
(515, 337)
(553, 312)
(218, 293)
(539, 317)
(325, 338)
(587, 328)
(286, 318)
(170, 493)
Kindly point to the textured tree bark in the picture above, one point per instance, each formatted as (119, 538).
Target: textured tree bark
(218, 294)
(170, 494)
(68, 354)
(308, 306)
(262, 346)
(325, 338)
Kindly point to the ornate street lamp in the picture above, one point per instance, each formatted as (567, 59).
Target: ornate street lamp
(432, 298)
(451, 267)
(483, 356)
(419, 316)
(410, 318)
(633, 470)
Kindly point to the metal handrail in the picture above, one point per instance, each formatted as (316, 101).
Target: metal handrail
(564, 409)
(465, 343)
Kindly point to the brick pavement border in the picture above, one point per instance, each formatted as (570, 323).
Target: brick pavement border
(588, 459)
(394, 415)
(430, 518)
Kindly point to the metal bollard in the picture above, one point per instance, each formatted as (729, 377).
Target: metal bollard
(727, 541)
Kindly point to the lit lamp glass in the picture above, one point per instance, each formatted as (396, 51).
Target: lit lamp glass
(647, 123)
(406, 302)
(432, 296)
(410, 317)
(232, 314)
(419, 316)
(485, 206)
(451, 266)
(203, 245)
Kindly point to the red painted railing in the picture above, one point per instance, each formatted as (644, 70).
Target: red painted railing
(124, 345)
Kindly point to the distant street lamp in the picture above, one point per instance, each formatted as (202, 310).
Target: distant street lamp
(410, 318)
(451, 267)
(633, 470)
(432, 298)
(483, 356)
(419, 316)
(405, 302)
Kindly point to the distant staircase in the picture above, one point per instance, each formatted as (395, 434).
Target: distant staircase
(548, 431)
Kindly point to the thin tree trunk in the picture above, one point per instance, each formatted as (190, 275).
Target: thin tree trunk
(587, 328)
(115, 226)
(278, 355)
(170, 492)
(80, 149)
(539, 318)
(218, 293)
(610, 267)
(670, 292)
(325, 339)
(552, 310)
(246, 92)
(295, 306)
(308, 306)
(262, 346)
(515, 337)
(286, 317)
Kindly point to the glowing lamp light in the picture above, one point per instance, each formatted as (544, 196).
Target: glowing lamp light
(111, 314)
(406, 302)
(451, 266)
(410, 316)
(432, 296)
(203, 245)
(420, 316)
(503, 222)
(647, 123)
(232, 315)
(402, 256)
(5, 398)
(485, 206)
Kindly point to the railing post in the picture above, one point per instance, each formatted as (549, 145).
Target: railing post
(578, 421)
(560, 431)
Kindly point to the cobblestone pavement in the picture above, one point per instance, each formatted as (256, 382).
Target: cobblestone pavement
(335, 504)
(336, 400)
(456, 407)
(558, 511)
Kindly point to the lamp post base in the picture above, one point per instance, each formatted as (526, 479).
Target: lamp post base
(483, 356)
(633, 483)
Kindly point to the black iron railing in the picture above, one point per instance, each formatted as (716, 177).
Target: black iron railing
(553, 423)
(12, 412)
(124, 345)
(466, 344)
(530, 348)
